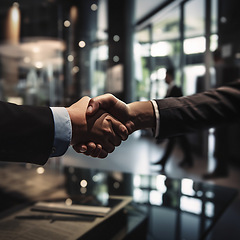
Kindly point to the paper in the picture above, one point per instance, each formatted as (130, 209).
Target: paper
(16, 226)
(72, 209)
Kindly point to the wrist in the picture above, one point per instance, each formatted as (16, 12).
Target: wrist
(141, 115)
(78, 123)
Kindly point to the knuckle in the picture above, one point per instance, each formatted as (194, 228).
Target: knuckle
(108, 131)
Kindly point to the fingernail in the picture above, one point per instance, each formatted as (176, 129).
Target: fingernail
(82, 149)
(89, 109)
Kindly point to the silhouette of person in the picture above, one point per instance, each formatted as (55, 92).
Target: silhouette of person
(174, 91)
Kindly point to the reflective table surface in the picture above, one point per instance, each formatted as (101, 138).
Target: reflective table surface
(174, 208)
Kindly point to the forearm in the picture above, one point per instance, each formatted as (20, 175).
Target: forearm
(142, 115)
(27, 133)
(200, 111)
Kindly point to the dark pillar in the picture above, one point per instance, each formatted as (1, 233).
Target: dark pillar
(121, 31)
(182, 37)
(80, 38)
(208, 54)
(86, 29)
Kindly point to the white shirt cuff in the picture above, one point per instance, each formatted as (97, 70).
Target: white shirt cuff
(157, 114)
(62, 131)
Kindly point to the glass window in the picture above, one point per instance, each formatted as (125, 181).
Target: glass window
(158, 48)
(99, 57)
(195, 43)
(214, 16)
(194, 18)
(167, 28)
(142, 52)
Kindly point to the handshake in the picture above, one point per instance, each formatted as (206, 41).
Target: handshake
(102, 123)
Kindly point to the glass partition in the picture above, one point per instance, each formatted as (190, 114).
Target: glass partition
(158, 49)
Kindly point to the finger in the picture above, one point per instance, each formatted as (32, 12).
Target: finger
(116, 140)
(123, 132)
(89, 148)
(80, 148)
(130, 127)
(108, 147)
(120, 130)
(110, 135)
(96, 151)
(103, 154)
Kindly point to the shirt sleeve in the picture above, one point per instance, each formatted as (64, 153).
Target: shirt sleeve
(157, 115)
(62, 131)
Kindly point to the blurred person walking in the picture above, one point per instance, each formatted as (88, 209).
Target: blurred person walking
(175, 91)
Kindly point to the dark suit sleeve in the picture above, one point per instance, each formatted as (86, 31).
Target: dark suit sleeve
(200, 111)
(27, 133)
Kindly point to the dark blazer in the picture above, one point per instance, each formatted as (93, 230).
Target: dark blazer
(26, 133)
(203, 110)
(175, 91)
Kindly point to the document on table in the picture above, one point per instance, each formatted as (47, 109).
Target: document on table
(26, 224)
(71, 209)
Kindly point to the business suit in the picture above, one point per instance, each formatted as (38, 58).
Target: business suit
(200, 111)
(26, 133)
(174, 91)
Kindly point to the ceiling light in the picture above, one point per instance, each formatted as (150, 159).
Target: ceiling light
(67, 23)
(82, 44)
(94, 7)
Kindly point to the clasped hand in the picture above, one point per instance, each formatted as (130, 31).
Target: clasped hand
(101, 123)
(94, 131)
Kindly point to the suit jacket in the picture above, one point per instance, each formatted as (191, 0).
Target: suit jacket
(175, 91)
(26, 133)
(200, 111)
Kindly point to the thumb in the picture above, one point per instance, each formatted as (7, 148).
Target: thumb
(92, 108)
(105, 101)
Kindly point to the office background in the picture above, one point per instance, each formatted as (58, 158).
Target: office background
(53, 52)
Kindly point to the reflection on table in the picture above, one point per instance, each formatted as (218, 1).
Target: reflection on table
(162, 208)
(176, 209)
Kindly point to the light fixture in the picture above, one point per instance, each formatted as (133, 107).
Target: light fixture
(116, 58)
(67, 23)
(81, 44)
(116, 38)
(39, 65)
(70, 58)
(94, 7)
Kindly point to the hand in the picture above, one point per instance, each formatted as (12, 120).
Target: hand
(103, 131)
(114, 106)
(101, 128)
(136, 115)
